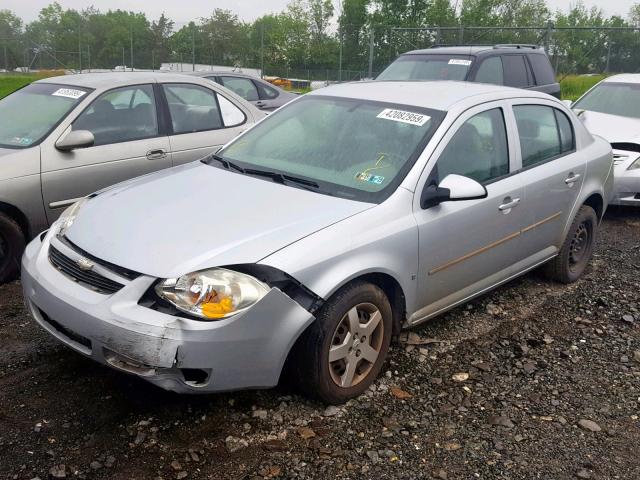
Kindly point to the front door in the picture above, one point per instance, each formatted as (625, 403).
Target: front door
(128, 143)
(467, 246)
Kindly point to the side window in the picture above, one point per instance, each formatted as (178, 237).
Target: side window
(232, 116)
(193, 108)
(266, 92)
(515, 71)
(478, 150)
(539, 133)
(491, 71)
(241, 86)
(121, 115)
(542, 69)
(565, 128)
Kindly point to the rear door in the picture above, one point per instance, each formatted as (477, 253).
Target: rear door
(201, 120)
(128, 142)
(552, 172)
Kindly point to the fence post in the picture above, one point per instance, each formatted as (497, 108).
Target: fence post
(547, 37)
(461, 35)
(438, 36)
(371, 46)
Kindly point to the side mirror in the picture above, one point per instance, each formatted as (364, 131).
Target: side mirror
(75, 139)
(568, 103)
(452, 188)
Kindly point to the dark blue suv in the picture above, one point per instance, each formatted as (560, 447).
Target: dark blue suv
(520, 66)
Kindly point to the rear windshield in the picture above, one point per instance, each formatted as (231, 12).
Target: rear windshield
(28, 115)
(621, 99)
(428, 67)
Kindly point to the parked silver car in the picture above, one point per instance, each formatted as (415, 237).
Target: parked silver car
(611, 109)
(316, 235)
(260, 93)
(65, 137)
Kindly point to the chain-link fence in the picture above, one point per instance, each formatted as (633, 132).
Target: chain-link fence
(354, 56)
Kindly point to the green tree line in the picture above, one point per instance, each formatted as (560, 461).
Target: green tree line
(316, 37)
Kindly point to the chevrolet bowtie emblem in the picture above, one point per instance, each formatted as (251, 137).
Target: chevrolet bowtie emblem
(84, 264)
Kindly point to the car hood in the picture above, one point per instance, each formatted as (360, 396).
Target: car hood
(198, 216)
(613, 128)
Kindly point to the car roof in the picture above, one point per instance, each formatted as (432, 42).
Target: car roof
(111, 79)
(624, 78)
(222, 72)
(474, 50)
(438, 95)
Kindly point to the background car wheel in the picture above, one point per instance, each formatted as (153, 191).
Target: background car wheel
(577, 248)
(12, 245)
(340, 355)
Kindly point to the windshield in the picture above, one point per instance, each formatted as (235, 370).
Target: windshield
(28, 115)
(349, 148)
(428, 67)
(621, 99)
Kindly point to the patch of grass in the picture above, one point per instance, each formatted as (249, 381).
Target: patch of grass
(11, 82)
(574, 86)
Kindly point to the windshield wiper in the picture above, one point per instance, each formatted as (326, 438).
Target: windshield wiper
(225, 163)
(281, 177)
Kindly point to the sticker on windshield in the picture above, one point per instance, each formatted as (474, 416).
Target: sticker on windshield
(405, 117)
(69, 93)
(459, 61)
(22, 141)
(368, 177)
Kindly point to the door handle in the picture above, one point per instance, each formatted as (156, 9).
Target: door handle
(156, 154)
(509, 204)
(571, 179)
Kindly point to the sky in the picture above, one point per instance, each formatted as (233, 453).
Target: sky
(186, 10)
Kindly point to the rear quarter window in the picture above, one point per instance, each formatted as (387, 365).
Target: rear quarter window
(542, 69)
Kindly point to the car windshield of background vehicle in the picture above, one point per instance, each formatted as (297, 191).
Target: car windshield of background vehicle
(28, 115)
(428, 67)
(351, 148)
(621, 99)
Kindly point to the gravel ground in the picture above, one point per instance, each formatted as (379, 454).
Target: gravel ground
(535, 380)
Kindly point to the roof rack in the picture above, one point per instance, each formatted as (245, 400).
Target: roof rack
(445, 45)
(516, 45)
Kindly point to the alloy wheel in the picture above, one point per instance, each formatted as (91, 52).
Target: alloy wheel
(356, 345)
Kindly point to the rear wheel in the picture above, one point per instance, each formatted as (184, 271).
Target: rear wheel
(12, 243)
(340, 355)
(577, 248)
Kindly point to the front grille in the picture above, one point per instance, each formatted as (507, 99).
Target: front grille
(123, 272)
(87, 278)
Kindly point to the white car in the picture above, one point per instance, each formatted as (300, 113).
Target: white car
(611, 110)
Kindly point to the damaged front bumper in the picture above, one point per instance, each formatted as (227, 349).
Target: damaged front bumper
(247, 350)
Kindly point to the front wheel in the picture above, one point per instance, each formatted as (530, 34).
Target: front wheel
(12, 243)
(340, 355)
(577, 248)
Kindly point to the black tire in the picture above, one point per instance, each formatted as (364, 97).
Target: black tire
(310, 366)
(577, 248)
(12, 244)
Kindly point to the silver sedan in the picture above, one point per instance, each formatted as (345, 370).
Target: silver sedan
(305, 244)
(64, 137)
(611, 109)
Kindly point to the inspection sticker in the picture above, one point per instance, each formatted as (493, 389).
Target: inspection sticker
(69, 93)
(367, 177)
(459, 61)
(404, 117)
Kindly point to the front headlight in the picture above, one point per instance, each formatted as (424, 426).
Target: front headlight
(212, 294)
(635, 165)
(68, 216)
